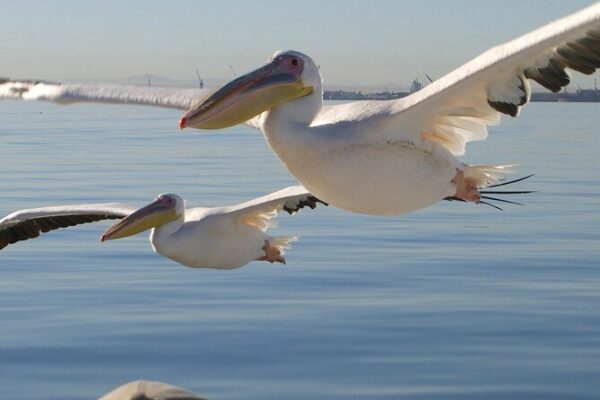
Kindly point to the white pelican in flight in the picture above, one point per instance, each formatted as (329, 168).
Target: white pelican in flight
(150, 390)
(218, 237)
(380, 157)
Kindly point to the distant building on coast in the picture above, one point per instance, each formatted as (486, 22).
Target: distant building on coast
(581, 95)
(351, 95)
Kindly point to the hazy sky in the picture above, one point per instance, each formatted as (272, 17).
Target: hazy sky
(370, 43)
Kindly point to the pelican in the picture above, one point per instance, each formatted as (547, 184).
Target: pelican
(220, 237)
(384, 157)
(150, 390)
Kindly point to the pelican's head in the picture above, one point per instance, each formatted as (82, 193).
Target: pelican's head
(289, 75)
(164, 209)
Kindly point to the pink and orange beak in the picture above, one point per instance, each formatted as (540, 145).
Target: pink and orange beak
(247, 96)
(155, 214)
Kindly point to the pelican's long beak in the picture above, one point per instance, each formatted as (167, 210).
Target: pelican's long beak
(153, 215)
(246, 97)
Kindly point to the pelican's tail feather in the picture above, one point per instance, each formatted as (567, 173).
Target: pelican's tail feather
(281, 243)
(486, 175)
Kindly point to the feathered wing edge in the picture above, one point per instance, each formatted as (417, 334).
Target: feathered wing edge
(260, 211)
(30, 223)
(70, 93)
(474, 96)
(459, 107)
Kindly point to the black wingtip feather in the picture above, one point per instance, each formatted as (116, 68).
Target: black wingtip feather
(310, 201)
(504, 107)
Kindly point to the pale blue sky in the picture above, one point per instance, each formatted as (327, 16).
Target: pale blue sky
(370, 43)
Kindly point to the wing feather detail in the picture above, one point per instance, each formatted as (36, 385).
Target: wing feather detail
(30, 223)
(260, 211)
(68, 93)
(71, 93)
(476, 94)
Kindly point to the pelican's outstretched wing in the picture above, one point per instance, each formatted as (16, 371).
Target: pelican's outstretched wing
(28, 224)
(150, 390)
(458, 107)
(290, 199)
(260, 210)
(69, 93)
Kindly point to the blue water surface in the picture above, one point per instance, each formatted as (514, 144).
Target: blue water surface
(456, 301)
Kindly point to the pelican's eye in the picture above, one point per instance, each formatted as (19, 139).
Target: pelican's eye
(290, 64)
(168, 200)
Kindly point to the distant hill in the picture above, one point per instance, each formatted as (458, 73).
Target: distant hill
(157, 80)
(153, 80)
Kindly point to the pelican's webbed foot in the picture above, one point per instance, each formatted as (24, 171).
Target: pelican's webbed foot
(272, 254)
(466, 188)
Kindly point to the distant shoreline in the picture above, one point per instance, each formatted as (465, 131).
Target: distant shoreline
(582, 95)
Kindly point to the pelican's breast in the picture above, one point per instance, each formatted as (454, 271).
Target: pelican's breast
(215, 241)
(382, 178)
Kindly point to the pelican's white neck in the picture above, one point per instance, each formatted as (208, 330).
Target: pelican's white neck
(159, 236)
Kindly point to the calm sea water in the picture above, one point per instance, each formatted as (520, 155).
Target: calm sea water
(454, 302)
